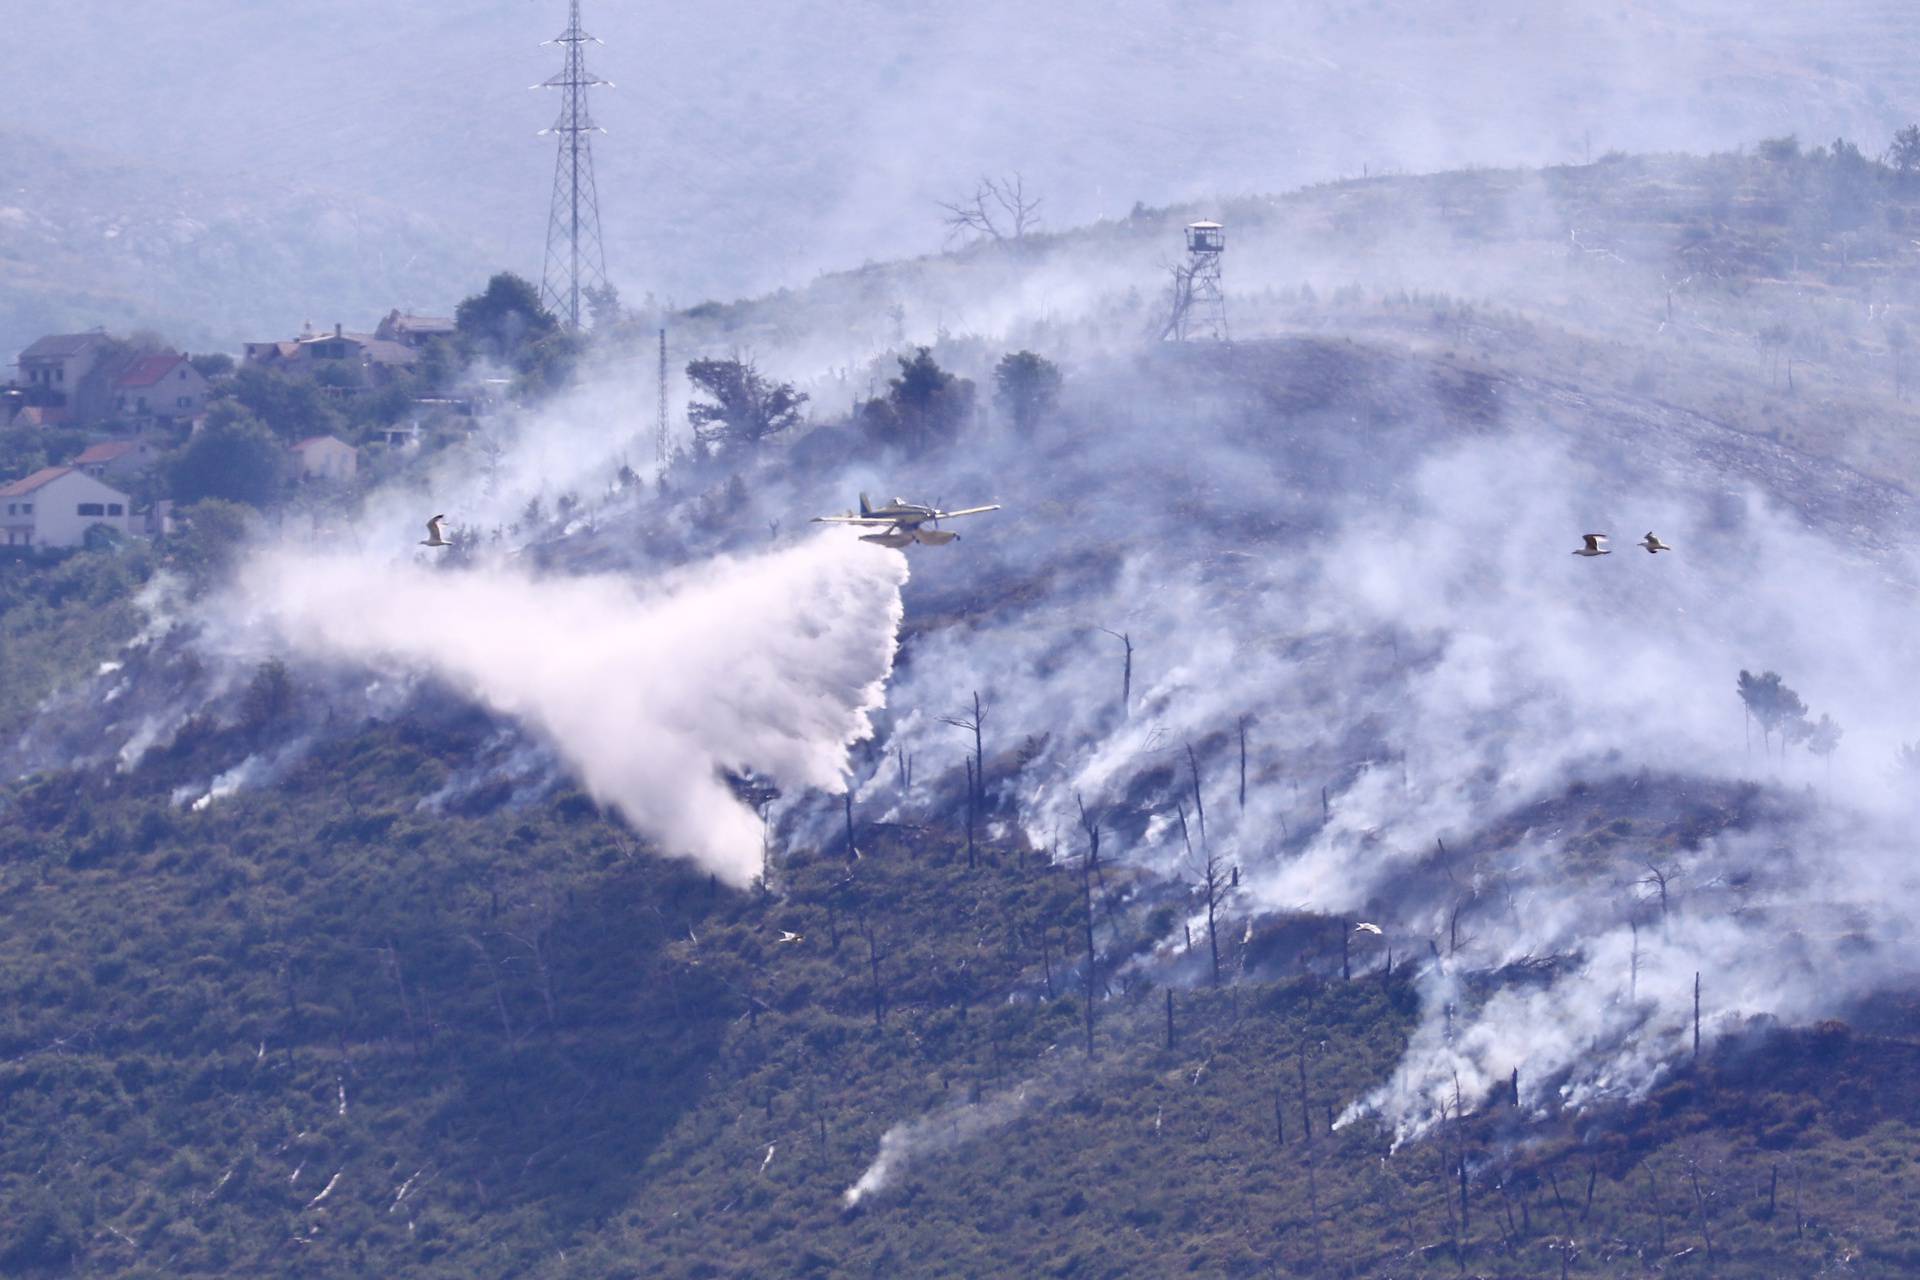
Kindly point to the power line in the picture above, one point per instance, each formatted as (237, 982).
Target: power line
(575, 261)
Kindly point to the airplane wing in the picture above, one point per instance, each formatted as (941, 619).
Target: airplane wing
(862, 520)
(965, 511)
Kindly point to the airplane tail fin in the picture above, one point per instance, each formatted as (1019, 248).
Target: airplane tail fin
(866, 508)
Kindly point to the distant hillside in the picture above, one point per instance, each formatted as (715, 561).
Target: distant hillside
(1533, 947)
(205, 258)
(824, 138)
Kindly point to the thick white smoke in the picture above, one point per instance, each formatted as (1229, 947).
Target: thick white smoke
(772, 662)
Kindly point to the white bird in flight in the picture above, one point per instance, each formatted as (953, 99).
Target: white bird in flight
(787, 935)
(1653, 545)
(433, 538)
(1364, 927)
(1593, 547)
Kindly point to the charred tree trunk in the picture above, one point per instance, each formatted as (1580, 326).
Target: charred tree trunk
(1213, 931)
(1086, 889)
(1700, 1206)
(1306, 1103)
(1126, 673)
(1696, 1017)
(972, 793)
(1199, 805)
(1243, 762)
(873, 961)
(1092, 824)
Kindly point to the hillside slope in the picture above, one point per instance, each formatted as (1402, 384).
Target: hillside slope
(324, 966)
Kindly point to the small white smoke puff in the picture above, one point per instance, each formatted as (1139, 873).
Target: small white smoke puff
(932, 1135)
(773, 663)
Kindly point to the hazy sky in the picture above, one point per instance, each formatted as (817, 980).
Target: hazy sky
(753, 144)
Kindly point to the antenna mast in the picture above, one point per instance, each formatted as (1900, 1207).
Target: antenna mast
(575, 262)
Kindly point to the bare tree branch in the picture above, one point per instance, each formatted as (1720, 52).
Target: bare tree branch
(998, 209)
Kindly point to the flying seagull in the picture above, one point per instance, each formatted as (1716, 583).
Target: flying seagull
(1593, 547)
(433, 538)
(1653, 545)
(787, 935)
(1364, 927)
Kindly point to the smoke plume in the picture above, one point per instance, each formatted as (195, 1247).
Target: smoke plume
(772, 663)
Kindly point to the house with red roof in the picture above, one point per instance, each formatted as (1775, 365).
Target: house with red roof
(160, 388)
(117, 459)
(55, 506)
(344, 363)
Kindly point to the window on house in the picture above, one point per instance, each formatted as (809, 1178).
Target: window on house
(10, 508)
(92, 509)
(115, 509)
(26, 508)
(60, 374)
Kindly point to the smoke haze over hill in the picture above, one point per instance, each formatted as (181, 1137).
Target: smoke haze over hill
(734, 164)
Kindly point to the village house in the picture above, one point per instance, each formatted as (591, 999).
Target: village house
(117, 459)
(63, 377)
(414, 331)
(327, 458)
(55, 507)
(160, 388)
(357, 360)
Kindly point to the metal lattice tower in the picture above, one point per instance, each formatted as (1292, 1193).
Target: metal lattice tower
(575, 261)
(1199, 305)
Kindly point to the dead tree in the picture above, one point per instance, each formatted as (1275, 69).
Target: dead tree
(1199, 806)
(852, 853)
(1126, 673)
(1306, 1102)
(1213, 893)
(1210, 881)
(499, 991)
(1091, 821)
(972, 725)
(1243, 762)
(977, 774)
(1696, 1016)
(998, 209)
(873, 962)
(1700, 1205)
(970, 795)
(392, 957)
(1658, 878)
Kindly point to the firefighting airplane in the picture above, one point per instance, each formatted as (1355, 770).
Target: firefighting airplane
(900, 521)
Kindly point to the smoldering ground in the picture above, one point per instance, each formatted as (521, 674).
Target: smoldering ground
(1395, 613)
(1357, 545)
